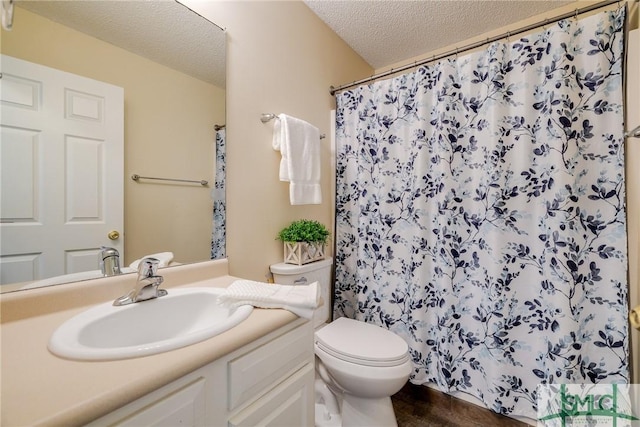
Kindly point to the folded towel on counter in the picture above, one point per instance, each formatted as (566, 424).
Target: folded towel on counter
(165, 259)
(301, 300)
(299, 145)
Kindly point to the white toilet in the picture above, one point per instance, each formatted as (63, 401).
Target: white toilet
(358, 365)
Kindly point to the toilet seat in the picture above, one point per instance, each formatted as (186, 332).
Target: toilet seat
(361, 343)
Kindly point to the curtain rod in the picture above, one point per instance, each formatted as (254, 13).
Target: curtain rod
(333, 90)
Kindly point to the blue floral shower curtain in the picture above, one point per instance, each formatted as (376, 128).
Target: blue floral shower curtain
(219, 233)
(481, 216)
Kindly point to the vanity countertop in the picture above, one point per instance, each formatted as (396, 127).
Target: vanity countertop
(39, 388)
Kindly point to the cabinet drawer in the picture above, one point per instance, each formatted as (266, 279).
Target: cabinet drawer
(256, 372)
(288, 404)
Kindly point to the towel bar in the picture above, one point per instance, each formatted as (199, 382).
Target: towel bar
(267, 117)
(136, 177)
(633, 133)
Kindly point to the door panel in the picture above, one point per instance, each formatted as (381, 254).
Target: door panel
(62, 159)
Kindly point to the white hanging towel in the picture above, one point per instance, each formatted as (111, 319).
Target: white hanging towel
(301, 300)
(299, 145)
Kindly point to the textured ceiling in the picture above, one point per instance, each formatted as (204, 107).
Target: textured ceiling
(386, 32)
(165, 31)
(383, 32)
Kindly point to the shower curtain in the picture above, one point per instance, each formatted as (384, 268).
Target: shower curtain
(481, 216)
(219, 233)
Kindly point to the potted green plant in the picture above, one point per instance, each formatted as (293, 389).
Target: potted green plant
(304, 241)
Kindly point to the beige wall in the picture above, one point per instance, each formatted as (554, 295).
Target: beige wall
(633, 190)
(633, 181)
(282, 59)
(169, 120)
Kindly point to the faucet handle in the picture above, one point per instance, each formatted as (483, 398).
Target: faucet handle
(147, 285)
(106, 251)
(109, 261)
(148, 267)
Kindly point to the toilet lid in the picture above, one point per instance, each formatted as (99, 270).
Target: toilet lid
(362, 343)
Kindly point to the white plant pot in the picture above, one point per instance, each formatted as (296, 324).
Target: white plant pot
(300, 253)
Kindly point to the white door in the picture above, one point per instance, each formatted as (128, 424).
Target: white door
(61, 160)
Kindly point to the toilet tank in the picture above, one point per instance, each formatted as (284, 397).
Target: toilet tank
(318, 271)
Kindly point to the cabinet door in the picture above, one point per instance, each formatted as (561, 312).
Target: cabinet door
(257, 371)
(185, 406)
(291, 403)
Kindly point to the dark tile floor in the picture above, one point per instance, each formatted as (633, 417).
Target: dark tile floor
(419, 406)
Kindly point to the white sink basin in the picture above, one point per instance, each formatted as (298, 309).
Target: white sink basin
(183, 317)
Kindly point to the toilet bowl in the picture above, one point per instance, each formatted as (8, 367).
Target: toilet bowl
(364, 365)
(358, 365)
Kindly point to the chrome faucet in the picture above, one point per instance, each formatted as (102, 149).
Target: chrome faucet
(109, 260)
(147, 284)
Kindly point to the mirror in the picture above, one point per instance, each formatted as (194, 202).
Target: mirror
(170, 62)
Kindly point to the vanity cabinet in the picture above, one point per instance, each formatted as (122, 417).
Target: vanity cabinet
(269, 382)
(181, 403)
(289, 404)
